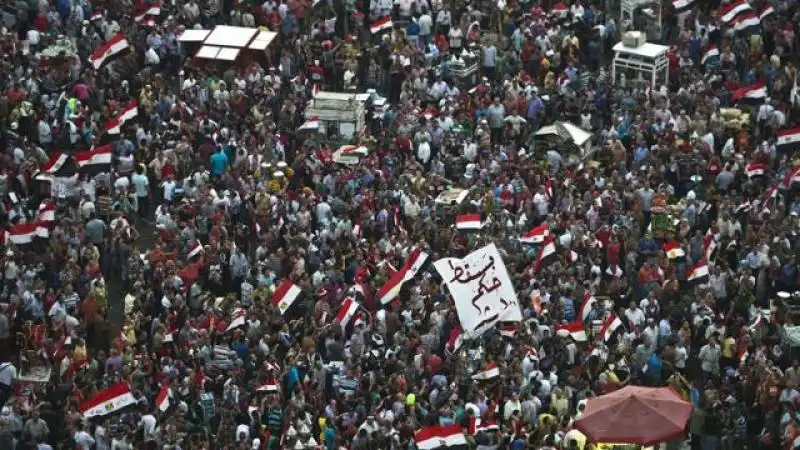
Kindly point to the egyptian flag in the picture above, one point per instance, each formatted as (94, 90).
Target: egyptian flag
(195, 251)
(755, 92)
(788, 140)
(571, 256)
(673, 250)
(771, 194)
(414, 263)
(711, 55)
(469, 222)
(129, 112)
(381, 25)
(455, 340)
(112, 47)
(286, 295)
(26, 233)
(109, 400)
(440, 437)
(270, 387)
(490, 371)
(546, 254)
(96, 160)
(732, 10)
(747, 23)
(238, 319)
(47, 213)
(478, 425)
(792, 176)
(587, 305)
(610, 326)
(163, 399)
(147, 15)
(347, 311)
(698, 273)
(536, 235)
(765, 12)
(559, 10)
(709, 245)
(311, 124)
(576, 330)
(755, 170)
(742, 355)
(682, 5)
(55, 163)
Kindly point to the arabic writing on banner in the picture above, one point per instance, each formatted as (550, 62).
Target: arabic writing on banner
(481, 288)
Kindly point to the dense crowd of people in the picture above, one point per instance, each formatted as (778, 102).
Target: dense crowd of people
(188, 263)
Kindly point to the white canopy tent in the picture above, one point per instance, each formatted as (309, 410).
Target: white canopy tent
(226, 43)
(648, 60)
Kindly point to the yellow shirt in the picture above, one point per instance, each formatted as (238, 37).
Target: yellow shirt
(728, 346)
(546, 419)
(79, 354)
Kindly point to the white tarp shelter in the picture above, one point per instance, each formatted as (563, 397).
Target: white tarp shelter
(568, 132)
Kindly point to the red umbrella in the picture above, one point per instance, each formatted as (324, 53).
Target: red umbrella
(635, 415)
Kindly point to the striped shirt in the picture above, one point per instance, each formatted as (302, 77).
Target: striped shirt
(103, 205)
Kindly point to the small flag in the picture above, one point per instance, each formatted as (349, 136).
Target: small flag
(755, 91)
(536, 235)
(755, 170)
(441, 437)
(711, 55)
(469, 222)
(546, 253)
(575, 330)
(347, 311)
(610, 326)
(312, 123)
(733, 9)
(673, 250)
(381, 25)
(108, 400)
(114, 46)
(490, 371)
(285, 295)
(163, 399)
(698, 273)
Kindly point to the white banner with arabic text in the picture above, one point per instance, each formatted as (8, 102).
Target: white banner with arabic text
(481, 288)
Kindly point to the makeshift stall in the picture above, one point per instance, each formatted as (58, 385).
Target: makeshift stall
(565, 136)
(339, 115)
(648, 61)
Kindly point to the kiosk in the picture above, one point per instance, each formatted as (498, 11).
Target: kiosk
(648, 60)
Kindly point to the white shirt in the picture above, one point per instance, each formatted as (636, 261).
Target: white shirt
(169, 189)
(8, 373)
(122, 184)
(83, 439)
(424, 152)
(148, 426)
(425, 23)
(140, 183)
(151, 57)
